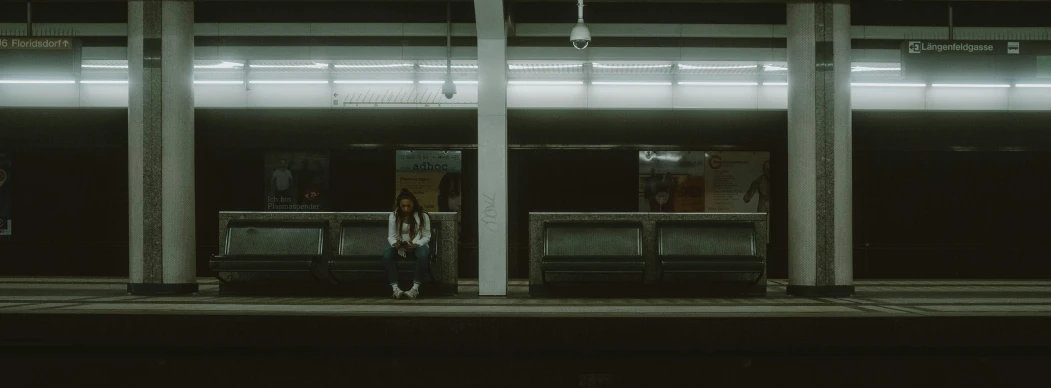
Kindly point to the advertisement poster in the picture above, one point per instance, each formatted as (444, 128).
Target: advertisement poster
(433, 177)
(671, 181)
(737, 182)
(297, 181)
(5, 195)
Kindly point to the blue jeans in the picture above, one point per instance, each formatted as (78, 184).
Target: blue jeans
(423, 261)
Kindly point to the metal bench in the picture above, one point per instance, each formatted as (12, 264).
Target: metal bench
(361, 246)
(261, 246)
(588, 252)
(663, 254)
(702, 247)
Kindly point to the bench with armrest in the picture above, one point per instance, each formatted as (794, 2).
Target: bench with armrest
(589, 252)
(361, 246)
(273, 252)
(661, 253)
(708, 247)
(271, 246)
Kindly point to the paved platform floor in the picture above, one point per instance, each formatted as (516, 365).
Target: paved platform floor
(894, 298)
(90, 332)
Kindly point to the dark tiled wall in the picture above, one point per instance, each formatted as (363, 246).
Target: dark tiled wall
(922, 210)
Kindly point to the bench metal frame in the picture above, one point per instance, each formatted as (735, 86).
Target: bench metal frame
(628, 259)
(444, 259)
(650, 242)
(435, 253)
(315, 260)
(661, 225)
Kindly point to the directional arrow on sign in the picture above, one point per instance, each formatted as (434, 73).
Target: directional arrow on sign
(65, 43)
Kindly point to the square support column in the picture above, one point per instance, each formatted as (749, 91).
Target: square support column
(492, 148)
(820, 205)
(163, 247)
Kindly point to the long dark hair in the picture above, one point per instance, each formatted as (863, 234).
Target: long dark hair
(416, 208)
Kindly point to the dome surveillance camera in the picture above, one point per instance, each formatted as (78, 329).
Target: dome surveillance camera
(449, 89)
(580, 36)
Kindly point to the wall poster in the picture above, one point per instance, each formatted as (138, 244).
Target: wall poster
(671, 181)
(297, 181)
(5, 195)
(434, 177)
(737, 182)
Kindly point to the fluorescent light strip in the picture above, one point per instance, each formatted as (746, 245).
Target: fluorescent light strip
(214, 82)
(538, 67)
(546, 82)
(314, 66)
(627, 83)
(105, 66)
(20, 81)
(1033, 85)
(888, 85)
(287, 82)
(370, 82)
(860, 84)
(866, 69)
(692, 83)
(971, 85)
(455, 82)
(774, 68)
(453, 66)
(103, 82)
(223, 65)
(694, 67)
(373, 66)
(602, 66)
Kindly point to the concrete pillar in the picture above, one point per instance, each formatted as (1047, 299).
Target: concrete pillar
(820, 222)
(160, 147)
(492, 148)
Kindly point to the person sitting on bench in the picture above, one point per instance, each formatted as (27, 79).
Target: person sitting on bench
(408, 232)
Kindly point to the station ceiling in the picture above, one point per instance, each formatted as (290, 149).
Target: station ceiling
(883, 13)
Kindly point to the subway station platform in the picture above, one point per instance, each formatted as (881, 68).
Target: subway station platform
(898, 298)
(900, 333)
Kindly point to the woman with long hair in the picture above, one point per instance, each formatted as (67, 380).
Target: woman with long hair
(408, 232)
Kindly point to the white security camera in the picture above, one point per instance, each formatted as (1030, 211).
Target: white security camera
(449, 89)
(581, 35)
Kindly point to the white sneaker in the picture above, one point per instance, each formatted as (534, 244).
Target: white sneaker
(413, 293)
(397, 294)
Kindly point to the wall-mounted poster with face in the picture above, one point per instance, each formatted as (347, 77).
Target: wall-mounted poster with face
(297, 181)
(737, 182)
(5, 195)
(433, 177)
(671, 181)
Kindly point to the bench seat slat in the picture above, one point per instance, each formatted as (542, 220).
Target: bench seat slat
(257, 263)
(369, 264)
(593, 264)
(750, 264)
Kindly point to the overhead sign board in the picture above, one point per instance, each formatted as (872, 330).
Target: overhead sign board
(36, 43)
(935, 47)
(988, 60)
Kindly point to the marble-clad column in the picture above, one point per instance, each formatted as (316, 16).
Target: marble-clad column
(161, 147)
(492, 148)
(820, 222)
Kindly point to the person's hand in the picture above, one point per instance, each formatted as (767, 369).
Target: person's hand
(412, 246)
